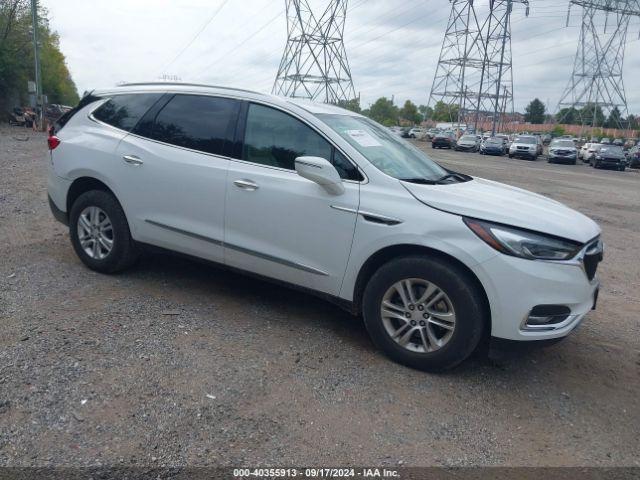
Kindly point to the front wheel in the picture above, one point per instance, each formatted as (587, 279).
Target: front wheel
(100, 233)
(423, 313)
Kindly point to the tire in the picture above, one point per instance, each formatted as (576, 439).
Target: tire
(510, 156)
(461, 297)
(622, 169)
(123, 252)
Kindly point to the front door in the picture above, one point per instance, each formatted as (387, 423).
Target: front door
(281, 225)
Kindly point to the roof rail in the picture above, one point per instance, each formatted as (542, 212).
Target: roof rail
(183, 84)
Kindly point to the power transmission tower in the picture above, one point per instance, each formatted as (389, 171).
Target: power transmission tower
(314, 63)
(474, 78)
(596, 87)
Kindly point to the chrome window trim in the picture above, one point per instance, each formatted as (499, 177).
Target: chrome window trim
(234, 97)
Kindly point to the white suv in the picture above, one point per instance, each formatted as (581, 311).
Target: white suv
(328, 201)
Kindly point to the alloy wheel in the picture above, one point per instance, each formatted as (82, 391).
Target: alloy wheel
(418, 315)
(95, 232)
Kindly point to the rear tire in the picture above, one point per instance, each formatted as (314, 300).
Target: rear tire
(115, 250)
(422, 349)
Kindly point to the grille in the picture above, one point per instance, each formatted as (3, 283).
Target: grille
(592, 258)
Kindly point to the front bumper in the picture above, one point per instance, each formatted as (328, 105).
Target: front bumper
(493, 151)
(523, 153)
(562, 158)
(515, 286)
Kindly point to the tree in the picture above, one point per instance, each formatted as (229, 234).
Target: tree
(443, 112)
(569, 116)
(615, 119)
(592, 114)
(427, 112)
(410, 112)
(383, 111)
(16, 57)
(534, 113)
(353, 105)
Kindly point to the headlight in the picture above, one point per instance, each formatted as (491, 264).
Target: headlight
(523, 243)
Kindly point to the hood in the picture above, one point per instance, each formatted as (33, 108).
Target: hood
(497, 202)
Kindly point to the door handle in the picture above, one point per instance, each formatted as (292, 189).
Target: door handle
(132, 160)
(246, 185)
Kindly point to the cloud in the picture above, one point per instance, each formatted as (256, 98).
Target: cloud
(392, 47)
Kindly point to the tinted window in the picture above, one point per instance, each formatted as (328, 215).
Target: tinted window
(197, 122)
(274, 138)
(62, 121)
(124, 111)
(345, 168)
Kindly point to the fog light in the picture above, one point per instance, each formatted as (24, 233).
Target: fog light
(542, 315)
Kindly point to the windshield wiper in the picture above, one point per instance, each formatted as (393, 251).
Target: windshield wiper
(461, 177)
(424, 181)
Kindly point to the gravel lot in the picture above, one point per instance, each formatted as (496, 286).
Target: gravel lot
(177, 363)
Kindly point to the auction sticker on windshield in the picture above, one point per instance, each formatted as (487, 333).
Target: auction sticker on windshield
(363, 138)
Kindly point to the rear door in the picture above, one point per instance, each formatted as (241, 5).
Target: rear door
(174, 167)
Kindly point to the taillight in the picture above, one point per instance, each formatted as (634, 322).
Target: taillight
(53, 142)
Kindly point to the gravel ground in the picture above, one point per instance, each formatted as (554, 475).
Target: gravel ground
(177, 363)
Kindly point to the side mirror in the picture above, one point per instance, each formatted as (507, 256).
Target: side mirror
(320, 171)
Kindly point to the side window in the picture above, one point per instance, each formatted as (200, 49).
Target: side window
(346, 169)
(124, 111)
(195, 121)
(275, 139)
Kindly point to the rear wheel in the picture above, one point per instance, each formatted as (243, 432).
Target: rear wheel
(423, 313)
(100, 233)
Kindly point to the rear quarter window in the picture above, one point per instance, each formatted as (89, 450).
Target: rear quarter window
(125, 111)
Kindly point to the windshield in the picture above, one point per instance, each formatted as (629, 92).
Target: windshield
(563, 143)
(468, 138)
(612, 149)
(526, 140)
(388, 153)
(497, 141)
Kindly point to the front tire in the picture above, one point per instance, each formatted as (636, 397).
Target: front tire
(423, 313)
(100, 233)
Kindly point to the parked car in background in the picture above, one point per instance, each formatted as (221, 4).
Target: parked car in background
(562, 151)
(493, 146)
(590, 152)
(525, 146)
(605, 141)
(396, 131)
(633, 157)
(546, 139)
(619, 142)
(467, 143)
(582, 153)
(444, 140)
(325, 200)
(417, 132)
(609, 156)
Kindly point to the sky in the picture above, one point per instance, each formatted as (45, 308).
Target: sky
(392, 46)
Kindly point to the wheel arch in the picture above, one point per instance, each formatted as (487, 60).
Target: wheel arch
(84, 184)
(386, 254)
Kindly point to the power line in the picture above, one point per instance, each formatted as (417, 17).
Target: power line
(198, 33)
